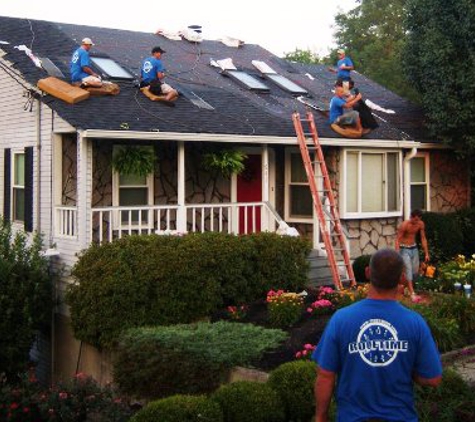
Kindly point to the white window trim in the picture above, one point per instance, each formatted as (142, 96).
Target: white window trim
(115, 198)
(426, 157)
(288, 184)
(13, 186)
(343, 188)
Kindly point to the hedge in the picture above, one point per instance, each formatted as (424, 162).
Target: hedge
(159, 280)
(187, 359)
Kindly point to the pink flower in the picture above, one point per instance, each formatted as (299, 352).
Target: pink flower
(14, 406)
(298, 355)
(308, 346)
(63, 395)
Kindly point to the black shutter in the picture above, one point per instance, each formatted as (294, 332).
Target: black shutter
(7, 183)
(29, 189)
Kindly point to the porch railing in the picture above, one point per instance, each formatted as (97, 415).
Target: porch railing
(109, 223)
(66, 222)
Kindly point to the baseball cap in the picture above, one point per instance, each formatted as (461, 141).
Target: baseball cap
(340, 51)
(87, 41)
(157, 50)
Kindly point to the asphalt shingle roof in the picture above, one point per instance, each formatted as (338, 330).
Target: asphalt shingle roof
(236, 109)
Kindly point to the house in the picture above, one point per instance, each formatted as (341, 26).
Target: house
(57, 176)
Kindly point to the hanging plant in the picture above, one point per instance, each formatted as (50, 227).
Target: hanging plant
(135, 160)
(225, 161)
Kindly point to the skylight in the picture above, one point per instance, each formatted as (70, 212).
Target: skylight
(111, 68)
(247, 80)
(51, 68)
(279, 80)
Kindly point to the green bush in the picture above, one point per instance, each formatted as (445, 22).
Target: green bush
(294, 383)
(466, 219)
(250, 402)
(444, 235)
(359, 266)
(159, 280)
(187, 359)
(180, 408)
(25, 297)
(452, 401)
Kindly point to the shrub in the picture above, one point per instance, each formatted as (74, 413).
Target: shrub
(81, 399)
(453, 400)
(187, 359)
(294, 383)
(284, 308)
(444, 235)
(466, 220)
(359, 266)
(159, 280)
(250, 402)
(25, 297)
(180, 408)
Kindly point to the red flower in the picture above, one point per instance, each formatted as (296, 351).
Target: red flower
(14, 406)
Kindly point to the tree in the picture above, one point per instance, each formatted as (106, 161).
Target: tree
(439, 59)
(25, 297)
(373, 34)
(302, 56)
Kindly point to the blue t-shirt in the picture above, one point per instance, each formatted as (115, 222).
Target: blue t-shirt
(150, 67)
(344, 73)
(79, 59)
(375, 346)
(336, 108)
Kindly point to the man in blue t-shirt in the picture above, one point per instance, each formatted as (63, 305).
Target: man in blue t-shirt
(80, 66)
(376, 348)
(343, 69)
(152, 72)
(337, 113)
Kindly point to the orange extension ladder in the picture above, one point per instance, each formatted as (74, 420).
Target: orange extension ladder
(330, 224)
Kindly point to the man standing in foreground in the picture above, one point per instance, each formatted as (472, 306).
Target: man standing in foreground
(377, 348)
(407, 247)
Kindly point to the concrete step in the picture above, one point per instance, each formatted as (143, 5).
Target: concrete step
(319, 273)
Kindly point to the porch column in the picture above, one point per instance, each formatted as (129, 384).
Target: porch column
(265, 187)
(181, 213)
(84, 190)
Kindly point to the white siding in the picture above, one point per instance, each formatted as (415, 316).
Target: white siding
(18, 129)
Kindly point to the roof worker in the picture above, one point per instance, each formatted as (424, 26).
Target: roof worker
(80, 67)
(341, 118)
(343, 69)
(152, 73)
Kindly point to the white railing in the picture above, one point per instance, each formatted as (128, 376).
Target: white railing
(66, 223)
(109, 223)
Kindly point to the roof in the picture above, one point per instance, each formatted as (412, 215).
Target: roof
(236, 110)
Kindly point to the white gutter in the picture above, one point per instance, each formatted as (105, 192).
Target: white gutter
(407, 182)
(236, 139)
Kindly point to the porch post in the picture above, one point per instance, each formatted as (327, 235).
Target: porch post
(181, 213)
(265, 187)
(84, 190)
(407, 182)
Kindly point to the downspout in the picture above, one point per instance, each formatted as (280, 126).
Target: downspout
(38, 166)
(407, 182)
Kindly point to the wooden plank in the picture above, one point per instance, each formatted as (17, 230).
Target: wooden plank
(62, 90)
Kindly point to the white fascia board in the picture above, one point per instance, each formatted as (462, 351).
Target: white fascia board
(240, 139)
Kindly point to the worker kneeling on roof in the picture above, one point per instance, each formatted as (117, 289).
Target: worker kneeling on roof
(339, 105)
(153, 72)
(80, 67)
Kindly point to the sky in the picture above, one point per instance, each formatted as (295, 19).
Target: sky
(279, 27)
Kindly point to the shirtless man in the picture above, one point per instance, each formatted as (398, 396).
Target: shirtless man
(407, 247)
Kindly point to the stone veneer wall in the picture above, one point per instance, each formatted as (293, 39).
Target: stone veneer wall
(449, 182)
(69, 171)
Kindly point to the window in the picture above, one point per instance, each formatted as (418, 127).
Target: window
(248, 81)
(371, 185)
(299, 205)
(18, 187)
(111, 68)
(420, 182)
(130, 191)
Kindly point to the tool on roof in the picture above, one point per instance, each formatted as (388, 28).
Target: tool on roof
(324, 201)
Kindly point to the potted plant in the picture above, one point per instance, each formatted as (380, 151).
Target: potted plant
(225, 161)
(137, 160)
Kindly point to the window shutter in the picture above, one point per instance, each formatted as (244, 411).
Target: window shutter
(29, 189)
(7, 184)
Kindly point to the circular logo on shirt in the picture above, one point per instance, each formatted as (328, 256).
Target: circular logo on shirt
(378, 343)
(147, 66)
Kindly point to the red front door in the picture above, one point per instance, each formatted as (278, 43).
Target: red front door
(249, 189)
